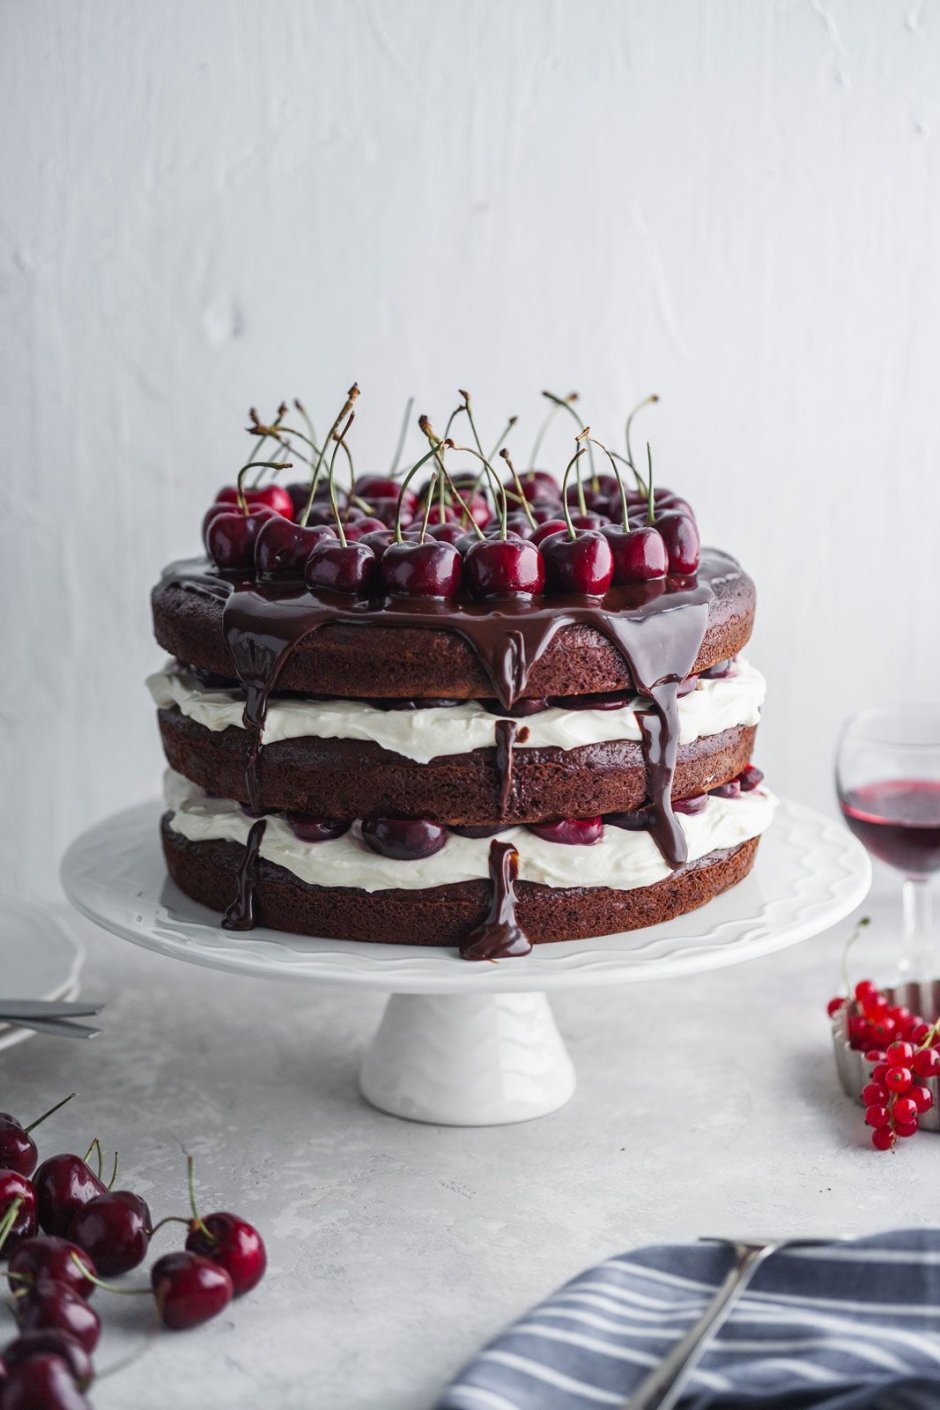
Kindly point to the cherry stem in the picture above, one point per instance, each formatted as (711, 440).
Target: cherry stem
(250, 464)
(565, 405)
(347, 407)
(647, 401)
(265, 432)
(404, 485)
(173, 1219)
(114, 1171)
(9, 1219)
(498, 446)
(540, 434)
(443, 477)
(108, 1287)
(51, 1112)
(564, 484)
(465, 407)
(331, 479)
(592, 440)
(402, 435)
(504, 453)
(302, 412)
(844, 963)
(499, 490)
(650, 510)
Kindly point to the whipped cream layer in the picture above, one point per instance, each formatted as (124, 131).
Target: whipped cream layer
(433, 731)
(621, 860)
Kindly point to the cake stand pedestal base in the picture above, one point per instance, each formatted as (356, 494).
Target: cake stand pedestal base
(468, 1060)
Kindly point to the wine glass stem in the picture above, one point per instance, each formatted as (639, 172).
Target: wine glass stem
(919, 957)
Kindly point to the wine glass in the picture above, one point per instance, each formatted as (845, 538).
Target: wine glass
(888, 781)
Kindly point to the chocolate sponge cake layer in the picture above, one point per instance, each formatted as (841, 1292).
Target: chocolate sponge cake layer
(443, 916)
(375, 658)
(346, 779)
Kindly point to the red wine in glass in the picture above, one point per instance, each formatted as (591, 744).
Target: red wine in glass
(898, 820)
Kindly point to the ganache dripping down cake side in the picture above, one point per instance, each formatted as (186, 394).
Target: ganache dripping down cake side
(457, 707)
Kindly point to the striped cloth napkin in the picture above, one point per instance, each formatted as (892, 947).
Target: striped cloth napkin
(849, 1326)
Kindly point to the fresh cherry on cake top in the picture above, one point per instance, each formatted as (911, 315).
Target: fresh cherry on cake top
(17, 1147)
(428, 569)
(276, 497)
(356, 529)
(282, 548)
(43, 1382)
(375, 489)
(342, 567)
(29, 1345)
(503, 566)
(681, 538)
(547, 528)
(578, 564)
(115, 1229)
(404, 839)
(63, 1183)
(189, 1289)
(230, 536)
(452, 532)
(638, 554)
(536, 485)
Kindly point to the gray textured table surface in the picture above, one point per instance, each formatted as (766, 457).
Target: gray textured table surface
(704, 1106)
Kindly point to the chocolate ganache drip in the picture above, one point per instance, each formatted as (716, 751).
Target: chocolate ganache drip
(500, 936)
(241, 913)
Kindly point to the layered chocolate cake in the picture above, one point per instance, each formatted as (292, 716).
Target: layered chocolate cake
(458, 709)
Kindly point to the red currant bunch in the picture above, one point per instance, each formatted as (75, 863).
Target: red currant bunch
(903, 1052)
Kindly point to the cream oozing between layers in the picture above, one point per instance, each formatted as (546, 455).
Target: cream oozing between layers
(714, 705)
(622, 860)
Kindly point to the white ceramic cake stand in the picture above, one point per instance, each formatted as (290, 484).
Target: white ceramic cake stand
(474, 1044)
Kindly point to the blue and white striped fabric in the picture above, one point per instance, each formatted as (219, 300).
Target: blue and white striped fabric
(844, 1326)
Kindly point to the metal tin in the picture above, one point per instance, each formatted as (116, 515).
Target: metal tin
(920, 996)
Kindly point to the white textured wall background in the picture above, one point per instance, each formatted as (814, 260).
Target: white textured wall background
(205, 204)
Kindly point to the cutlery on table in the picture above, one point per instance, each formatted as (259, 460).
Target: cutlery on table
(50, 1016)
(665, 1383)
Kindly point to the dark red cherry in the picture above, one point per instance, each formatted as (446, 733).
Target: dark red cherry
(480, 511)
(386, 510)
(470, 830)
(29, 1345)
(583, 565)
(451, 532)
(56, 1307)
(496, 567)
(315, 829)
(731, 789)
(442, 515)
(17, 1147)
(115, 1229)
(275, 497)
(189, 1290)
(428, 569)
(51, 1259)
(547, 528)
(14, 1186)
(544, 509)
(589, 520)
(377, 488)
(519, 525)
(230, 536)
(234, 1245)
(750, 778)
(404, 839)
(597, 494)
(378, 540)
(63, 1184)
(690, 805)
(536, 484)
(351, 568)
(639, 554)
(283, 547)
(683, 545)
(635, 820)
(322, 513)
(357, 529)
(43, 1382)
(573, 832)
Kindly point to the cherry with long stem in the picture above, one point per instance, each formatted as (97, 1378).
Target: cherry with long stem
(566, 406)
(647, 401)
(523, 502)
(402, 437)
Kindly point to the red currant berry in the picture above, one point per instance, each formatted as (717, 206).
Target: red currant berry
(833, 1006)
(859, 1031)
(879, 1072)
(883, 1139)
(904, 1112)
(926, 1063)
(865, 989)
(875, 1009)
(919, 1032)
(899, 1080)
(901, 1015)
(922, 1097)
(875, 1055)
(877, 1116)
(904, 1128)
(873, 1094)
(900, 1054)
(883, 1030)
